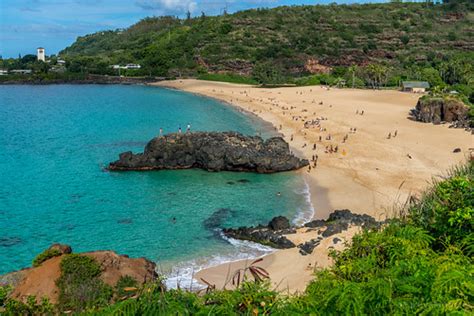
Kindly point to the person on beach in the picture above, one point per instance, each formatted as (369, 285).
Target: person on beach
(395, 134)
(314, 146)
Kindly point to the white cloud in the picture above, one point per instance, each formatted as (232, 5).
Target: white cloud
(168, 6)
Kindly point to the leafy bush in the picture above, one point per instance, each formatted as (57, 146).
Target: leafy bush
(447, 210)
(79, 285)
(4, 292)
(124, 286)
(45, 255)
(31, 307)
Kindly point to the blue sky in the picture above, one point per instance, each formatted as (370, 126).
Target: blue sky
(55, 24)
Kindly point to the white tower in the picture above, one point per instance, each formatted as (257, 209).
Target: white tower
(40, 54)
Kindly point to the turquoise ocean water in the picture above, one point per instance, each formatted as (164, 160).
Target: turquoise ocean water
(54, 142)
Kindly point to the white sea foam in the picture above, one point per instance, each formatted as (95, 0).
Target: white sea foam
(182, 274)
(306, 212)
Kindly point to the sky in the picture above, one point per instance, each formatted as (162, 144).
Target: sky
(55, 24)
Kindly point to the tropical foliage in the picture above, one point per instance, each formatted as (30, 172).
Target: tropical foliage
(420, 263)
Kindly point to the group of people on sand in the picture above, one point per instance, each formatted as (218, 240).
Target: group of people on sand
(188, 129)
(390, 135)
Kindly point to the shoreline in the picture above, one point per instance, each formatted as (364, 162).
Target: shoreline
(371, 174)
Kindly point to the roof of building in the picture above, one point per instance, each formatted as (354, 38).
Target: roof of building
(415, 84)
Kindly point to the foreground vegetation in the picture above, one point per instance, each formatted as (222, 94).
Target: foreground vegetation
(420, 263)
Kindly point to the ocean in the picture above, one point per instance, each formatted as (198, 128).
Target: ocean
(54, 143)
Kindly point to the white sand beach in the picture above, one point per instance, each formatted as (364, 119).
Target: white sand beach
(371, 172)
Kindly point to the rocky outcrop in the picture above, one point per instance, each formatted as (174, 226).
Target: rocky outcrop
(438, 110)
(270, 235)
(274, 234)
(41, 281)
(212, 151)
(340, 220)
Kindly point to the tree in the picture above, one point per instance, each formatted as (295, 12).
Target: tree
(353, 70)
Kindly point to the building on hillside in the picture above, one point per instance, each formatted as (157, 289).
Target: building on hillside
(132, 66)
(61, 62)
(3, 72)
(21, 71)
(40, 54)
(415, 86)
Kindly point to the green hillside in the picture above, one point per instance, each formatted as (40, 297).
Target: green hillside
(292, 41)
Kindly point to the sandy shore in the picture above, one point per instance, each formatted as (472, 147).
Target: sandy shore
(369, 174)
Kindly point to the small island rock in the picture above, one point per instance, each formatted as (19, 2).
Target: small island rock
(212, 151)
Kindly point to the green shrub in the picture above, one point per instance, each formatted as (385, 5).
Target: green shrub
(447, 210)
(45, 255)
(31, 307)
(79, 285)
(123, 283)
(4, 292)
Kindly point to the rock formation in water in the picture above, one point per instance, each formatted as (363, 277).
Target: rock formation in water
(212, 151)
(438, 109)
(275, 233)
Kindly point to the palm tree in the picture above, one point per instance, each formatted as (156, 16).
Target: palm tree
(353, 70)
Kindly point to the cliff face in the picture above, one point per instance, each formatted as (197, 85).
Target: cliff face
(212, 151)
(436, 110)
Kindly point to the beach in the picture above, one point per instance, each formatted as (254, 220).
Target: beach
(371, 156)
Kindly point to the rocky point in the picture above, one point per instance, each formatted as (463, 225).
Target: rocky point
(212, 151)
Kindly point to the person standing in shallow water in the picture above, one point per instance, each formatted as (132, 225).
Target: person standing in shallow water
(161, 131)
(188, 128)
(179, 130)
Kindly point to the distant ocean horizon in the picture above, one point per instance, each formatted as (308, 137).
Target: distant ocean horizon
(55, 141)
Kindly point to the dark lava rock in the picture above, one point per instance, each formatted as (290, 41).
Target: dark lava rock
(336, 240)
(63, 249)
(125, 221)
(243, 181)
(230, 182)
(260, 235)
(271, 235)
(279, 223)
(457, 150)
(308, 247)
(316, 223)
(212, 151)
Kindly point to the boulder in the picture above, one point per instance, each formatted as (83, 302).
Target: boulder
(63, 249)
(212, 151)
(441, 109)
(279, 223)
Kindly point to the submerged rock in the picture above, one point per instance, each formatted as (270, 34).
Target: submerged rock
(212, 151)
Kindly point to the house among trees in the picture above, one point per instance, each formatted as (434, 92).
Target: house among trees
(415, 86)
